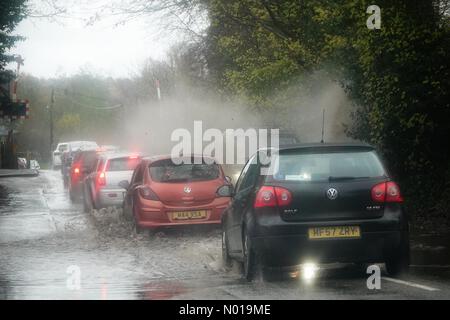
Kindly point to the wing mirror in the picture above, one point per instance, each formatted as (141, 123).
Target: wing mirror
(225, 191)
(124, 184)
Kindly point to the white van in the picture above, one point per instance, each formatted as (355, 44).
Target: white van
(70, 146)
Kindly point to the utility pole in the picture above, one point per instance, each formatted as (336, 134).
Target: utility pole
(158, 95)
(52, 100)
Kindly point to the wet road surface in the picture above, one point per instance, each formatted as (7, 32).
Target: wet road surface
(44, 238)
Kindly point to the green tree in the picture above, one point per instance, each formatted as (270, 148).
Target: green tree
(11, 13)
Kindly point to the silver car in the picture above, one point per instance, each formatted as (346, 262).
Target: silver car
(101, 187)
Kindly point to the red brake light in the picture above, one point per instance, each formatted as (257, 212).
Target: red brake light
(268, 196)
(101, 179)
(379, 192)
(284, 196)
(133, 157)
(148, 194)
(76, 170)
(393, 192)
(265, 197)
(386, 192)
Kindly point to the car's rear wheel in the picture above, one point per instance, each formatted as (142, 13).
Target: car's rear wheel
(251, 264)
(87, 201)
(227, 262)
(398, 261)
(72, 195)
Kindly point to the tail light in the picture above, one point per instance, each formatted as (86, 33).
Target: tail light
(268, 196)
(76, 170)
(101, 179)
(386, 192)
(148, 194)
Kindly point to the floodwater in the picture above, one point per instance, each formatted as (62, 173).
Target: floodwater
(50, 249)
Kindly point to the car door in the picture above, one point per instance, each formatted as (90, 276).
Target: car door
(136, 180)
(240, 205)
(91, 179)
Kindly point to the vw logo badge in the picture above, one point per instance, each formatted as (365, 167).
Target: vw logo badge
(187, 189)
(332, 193)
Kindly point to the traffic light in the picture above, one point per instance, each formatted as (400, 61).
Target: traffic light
(14, 110)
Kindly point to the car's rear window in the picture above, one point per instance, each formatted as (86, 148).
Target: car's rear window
(326, 166)
(88, 158)
(63, 147)
(167, 171)
(123, 164)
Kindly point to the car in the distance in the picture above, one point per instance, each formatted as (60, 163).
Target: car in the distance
(101, 187)
(84, 162)
(69, 153)
(319, 203)
(56, 156)
(170, 192)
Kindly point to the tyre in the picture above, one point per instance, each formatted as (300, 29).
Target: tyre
(398, 262)
(251, 264)
(72, 195)
(126, 213)
(226, 259)
(87, 201)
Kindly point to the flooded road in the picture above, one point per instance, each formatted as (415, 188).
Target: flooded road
(44, 239)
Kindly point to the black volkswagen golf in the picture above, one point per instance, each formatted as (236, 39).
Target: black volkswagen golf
(319, 202)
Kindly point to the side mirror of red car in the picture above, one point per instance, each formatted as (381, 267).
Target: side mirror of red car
(124, 184)
(225, 191)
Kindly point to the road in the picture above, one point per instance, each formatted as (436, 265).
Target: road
(44, 238)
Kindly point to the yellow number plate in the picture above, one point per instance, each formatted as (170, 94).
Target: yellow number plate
(186, 215)
(334, 232)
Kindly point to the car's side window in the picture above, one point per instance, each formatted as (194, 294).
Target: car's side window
(100, 164)
(242, 176)
(251, 176)
(133, 177)
(139, 175)
(247, 176)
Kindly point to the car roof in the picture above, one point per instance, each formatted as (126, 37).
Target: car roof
(114, 155)
(168, 156)
(334, 146)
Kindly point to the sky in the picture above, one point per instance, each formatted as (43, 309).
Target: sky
(68, 45)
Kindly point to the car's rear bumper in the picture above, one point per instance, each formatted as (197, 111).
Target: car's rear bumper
(110, 198)
(289, 243)
(296, 249)
(152, 214)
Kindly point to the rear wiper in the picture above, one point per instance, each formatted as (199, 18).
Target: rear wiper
(175, 180)
(344, 178)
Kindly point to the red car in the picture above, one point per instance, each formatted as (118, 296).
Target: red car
(163, 193)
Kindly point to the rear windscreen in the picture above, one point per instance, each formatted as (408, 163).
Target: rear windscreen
(63, 147)
(88, 159)
(167, 171)
(123, 164)
(325, 166)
